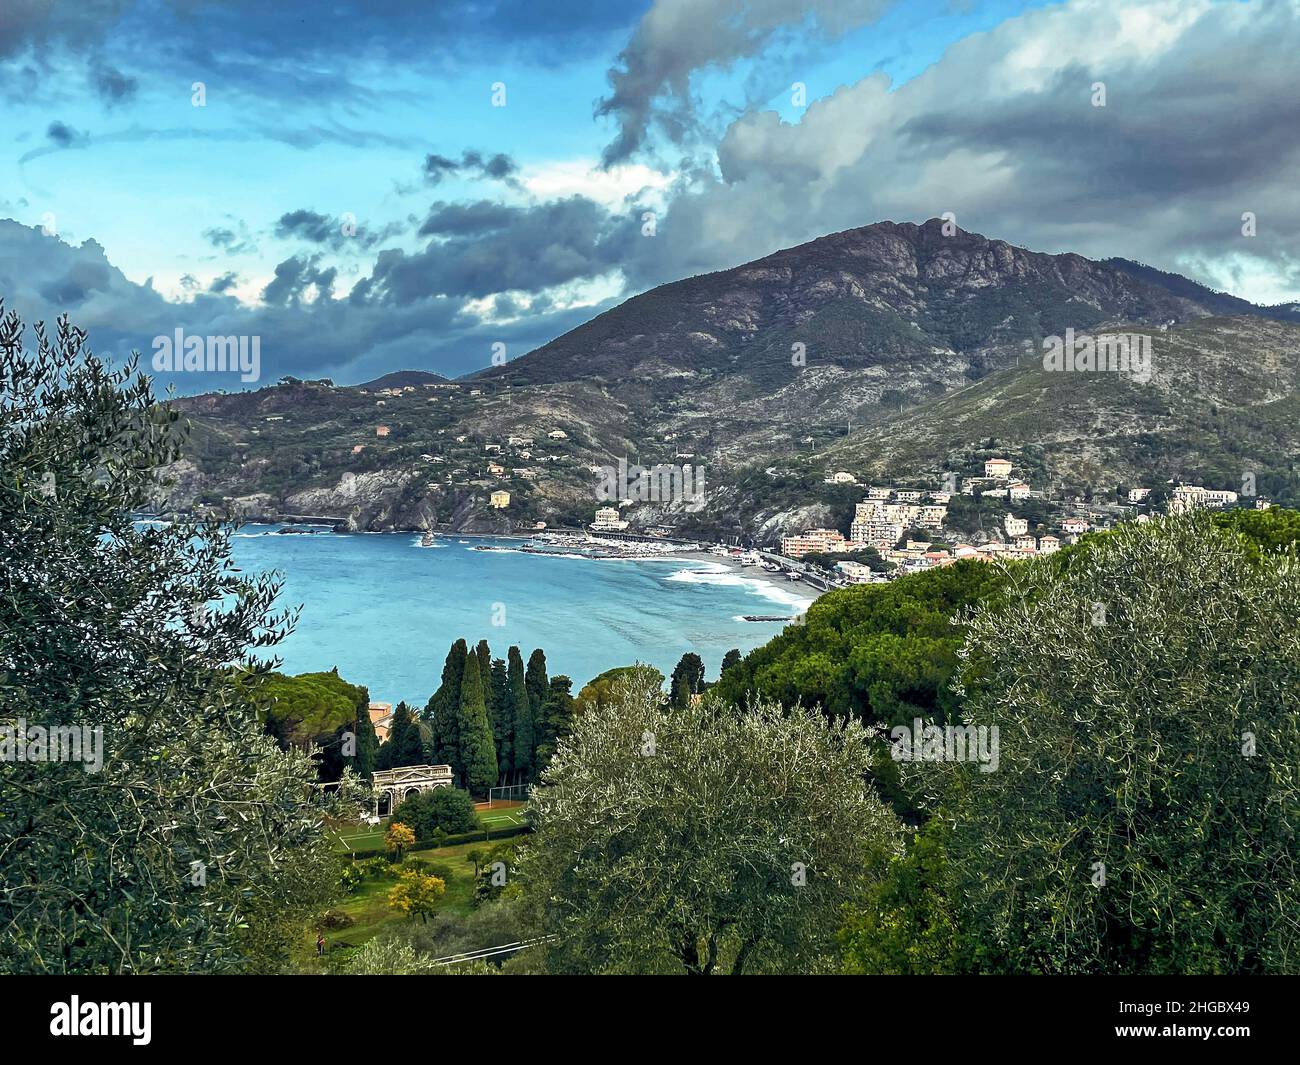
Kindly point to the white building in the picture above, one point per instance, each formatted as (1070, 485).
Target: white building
(608, 520)
(1016, 526)
(1188, 496)
(997, 468)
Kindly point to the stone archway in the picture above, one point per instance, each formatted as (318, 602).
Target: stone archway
(394, 785)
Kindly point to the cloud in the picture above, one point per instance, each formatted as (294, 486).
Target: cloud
(678, 39)
(497, 167)
(305, 331)
(484, 248)
(64, 136)
(1198, 128)
(112, 85)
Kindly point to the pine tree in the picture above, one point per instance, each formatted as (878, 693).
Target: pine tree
(442, 709)
(690, 666)
(502, 714)
(731, 658)
(476, 745)
(523, 719)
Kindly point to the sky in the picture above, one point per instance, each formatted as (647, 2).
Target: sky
(374, 186)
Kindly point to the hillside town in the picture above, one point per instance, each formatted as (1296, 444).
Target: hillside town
(887, 536)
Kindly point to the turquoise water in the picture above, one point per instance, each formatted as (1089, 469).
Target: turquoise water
(384, 610)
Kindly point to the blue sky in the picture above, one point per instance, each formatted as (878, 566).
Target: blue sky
(349, 192)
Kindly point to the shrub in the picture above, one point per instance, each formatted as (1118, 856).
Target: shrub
(449, 809)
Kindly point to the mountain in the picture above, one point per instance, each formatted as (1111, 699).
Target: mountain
(894, 350)
(403, 379)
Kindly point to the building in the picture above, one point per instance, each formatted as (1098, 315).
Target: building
(381, 717)
(1189, 496)
(496, 469)
(879, 493)
(857, 573)
(1015, 526)
(1138, 495)
(1048, 544)
(1025, 543)
(608, 520)
(1075, 526)
(381, 430)
(558, 434)
(908, 495)
(997, 468)
(393, 786)
(1017, 490)
(840, 477)
(814, 541)
(931, 516)
(358, 448)
(500, 500)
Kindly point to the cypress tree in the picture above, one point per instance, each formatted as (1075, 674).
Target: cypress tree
(502, 714)
(442, 709)
(476, 745)
(367, 743)
(522, 750)
(535, 682)
(556, 721)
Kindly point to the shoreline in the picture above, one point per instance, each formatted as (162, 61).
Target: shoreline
(699, 560)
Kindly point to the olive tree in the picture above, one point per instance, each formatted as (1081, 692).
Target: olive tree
(1142, 817)
(189, 838)
(701, 838)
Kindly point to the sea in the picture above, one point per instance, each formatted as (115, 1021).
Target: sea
(384, 609)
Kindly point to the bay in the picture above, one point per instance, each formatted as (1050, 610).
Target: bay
(384, 609)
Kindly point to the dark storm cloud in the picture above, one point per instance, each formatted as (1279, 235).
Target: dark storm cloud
(485, 248)
(348, 340)
(677, 39)
(294, 277)
(335, 233)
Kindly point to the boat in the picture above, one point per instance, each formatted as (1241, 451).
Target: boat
(427, 539)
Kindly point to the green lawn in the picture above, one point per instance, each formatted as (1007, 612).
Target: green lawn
(368, 905)
(362, 837)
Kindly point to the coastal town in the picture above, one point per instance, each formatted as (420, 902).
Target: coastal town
(905, 530)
